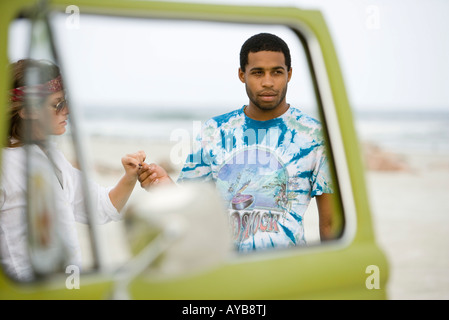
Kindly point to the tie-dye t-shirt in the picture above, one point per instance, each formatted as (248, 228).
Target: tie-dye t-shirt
(266, 172)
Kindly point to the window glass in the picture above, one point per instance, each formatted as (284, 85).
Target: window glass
(143, 84)
(43, 193)
(150, 85)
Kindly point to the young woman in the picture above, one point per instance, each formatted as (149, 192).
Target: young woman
(107, 202)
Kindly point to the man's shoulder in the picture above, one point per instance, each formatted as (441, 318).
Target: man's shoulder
(228, 117)
(303, 117)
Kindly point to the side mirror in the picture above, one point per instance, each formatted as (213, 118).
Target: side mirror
(189, 231)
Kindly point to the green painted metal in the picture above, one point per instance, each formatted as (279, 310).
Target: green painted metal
(334, 271)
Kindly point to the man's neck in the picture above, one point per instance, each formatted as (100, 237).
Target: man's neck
(258, 114)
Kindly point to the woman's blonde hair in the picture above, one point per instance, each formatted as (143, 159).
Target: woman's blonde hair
(47, 72)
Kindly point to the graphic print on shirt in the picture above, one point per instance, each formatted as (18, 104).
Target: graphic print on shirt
(267, 172)
(254, 181)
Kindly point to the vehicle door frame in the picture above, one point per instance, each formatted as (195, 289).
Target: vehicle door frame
(337, 269)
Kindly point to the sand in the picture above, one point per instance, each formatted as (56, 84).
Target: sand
(410, 210)
(409, 202)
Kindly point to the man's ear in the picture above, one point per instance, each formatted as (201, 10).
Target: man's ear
(241, 75)
(290, 74)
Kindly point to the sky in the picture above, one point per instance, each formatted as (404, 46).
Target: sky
(393, 55)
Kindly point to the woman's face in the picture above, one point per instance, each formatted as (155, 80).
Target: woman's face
(58, 117)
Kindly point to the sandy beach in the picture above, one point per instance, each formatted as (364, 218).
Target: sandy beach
(408, 196)
(411, 217)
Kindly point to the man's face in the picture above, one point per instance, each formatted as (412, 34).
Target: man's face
(266, 78)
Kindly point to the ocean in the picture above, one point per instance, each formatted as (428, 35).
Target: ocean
(405, 131)
(394, 131)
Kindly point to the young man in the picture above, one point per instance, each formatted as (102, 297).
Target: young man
(267, 159)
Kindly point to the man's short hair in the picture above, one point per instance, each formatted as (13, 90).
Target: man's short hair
(264, 42)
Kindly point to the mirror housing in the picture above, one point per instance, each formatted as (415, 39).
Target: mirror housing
(185, 228)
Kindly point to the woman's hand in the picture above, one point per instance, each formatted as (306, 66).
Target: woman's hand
(132, 164)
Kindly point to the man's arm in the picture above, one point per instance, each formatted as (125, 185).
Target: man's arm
(325, 213)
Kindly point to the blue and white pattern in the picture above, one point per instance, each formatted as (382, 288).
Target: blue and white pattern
(266, 172)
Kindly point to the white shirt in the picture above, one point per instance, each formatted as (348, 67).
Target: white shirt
(14, 256)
